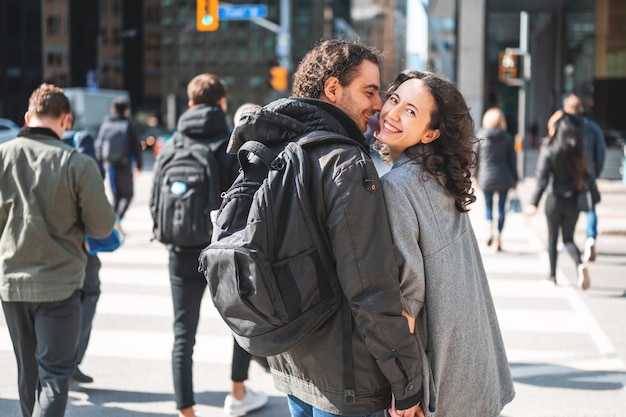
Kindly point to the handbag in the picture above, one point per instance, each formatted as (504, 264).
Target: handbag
(515, 204)
(106, 244)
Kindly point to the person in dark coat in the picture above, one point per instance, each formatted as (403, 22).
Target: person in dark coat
(497, 169)
(203, 123)
(120, 173)
(336, 89)
(596, 155)
(562, 173)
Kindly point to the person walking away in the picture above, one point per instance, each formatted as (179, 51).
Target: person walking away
(202, 126)
(496, 171)
(50, 196)
(241, 399)
(596, 155)
(84, 143)
(427, 132)
(562, 174)
(336, 89)
(117, 146)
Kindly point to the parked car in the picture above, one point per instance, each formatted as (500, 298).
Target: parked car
(8, 130)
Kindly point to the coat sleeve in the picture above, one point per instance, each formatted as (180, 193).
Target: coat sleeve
(368, 273)
(543, 176)
(96, 212)
(405, 230)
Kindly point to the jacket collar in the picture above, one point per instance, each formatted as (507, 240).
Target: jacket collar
(37, 132)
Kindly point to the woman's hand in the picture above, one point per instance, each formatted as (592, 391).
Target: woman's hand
(415, 411)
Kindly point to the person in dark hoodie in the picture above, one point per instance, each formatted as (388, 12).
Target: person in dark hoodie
(120, 170)
(497, 169)
(203, 123)
(336, 88)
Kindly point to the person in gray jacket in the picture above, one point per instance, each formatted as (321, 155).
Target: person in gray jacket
(496, 171)
(336, 89)
(426, 130)
(50, 196)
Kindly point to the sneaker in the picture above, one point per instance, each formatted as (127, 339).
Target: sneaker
(252, 401)
(590, 250)
(583, 277)
(80, 377)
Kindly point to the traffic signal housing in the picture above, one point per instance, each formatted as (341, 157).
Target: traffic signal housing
(207, 15)
(278, 78)
(507, 66)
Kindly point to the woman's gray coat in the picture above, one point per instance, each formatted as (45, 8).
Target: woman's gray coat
(466, 372)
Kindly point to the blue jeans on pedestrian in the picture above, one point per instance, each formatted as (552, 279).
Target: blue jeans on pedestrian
(188, 287)
(299, 408)
(501, 207)
(592, 223)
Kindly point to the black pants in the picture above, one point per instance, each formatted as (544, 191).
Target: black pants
(45, 341)
(121, 180)
(188, 287)
(561, 214)
(89, 296)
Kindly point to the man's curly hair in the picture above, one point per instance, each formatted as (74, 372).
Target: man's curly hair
(331, 58)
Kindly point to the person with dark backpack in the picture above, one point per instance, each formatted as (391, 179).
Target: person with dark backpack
(117, 146)
(301, 265)
(191, 171)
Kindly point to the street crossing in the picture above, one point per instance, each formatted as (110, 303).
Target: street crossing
(558, 353)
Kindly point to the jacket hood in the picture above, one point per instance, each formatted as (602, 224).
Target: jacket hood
(285, 119)
(203, 121)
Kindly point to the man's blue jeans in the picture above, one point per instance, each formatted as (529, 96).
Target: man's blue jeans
(299, 408)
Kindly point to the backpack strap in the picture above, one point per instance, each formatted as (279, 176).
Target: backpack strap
(265, 154)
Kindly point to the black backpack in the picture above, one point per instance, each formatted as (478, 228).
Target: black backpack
(185, 189)
(269, 266)
(115, 146)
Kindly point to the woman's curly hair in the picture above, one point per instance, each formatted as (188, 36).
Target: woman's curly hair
(451, 157)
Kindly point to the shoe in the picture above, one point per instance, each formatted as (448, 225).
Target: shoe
(551, 280)
(583, 277)
(590, 250)
(252, 401)
(489, 240)
(80, 377)
(498, 243)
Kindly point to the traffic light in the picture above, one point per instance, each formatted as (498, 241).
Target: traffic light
(507, 66)
(207, 16)
(278, 79)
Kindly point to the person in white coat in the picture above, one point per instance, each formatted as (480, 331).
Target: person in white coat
(426, 130)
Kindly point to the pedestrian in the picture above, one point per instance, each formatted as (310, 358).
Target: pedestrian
(336, 88)
(496, 172)
(203, 125)
(427, 132)
(117, 146)
(242, 399)
(50, 197)
(84, 143)
(596, 154)
(562, 174)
